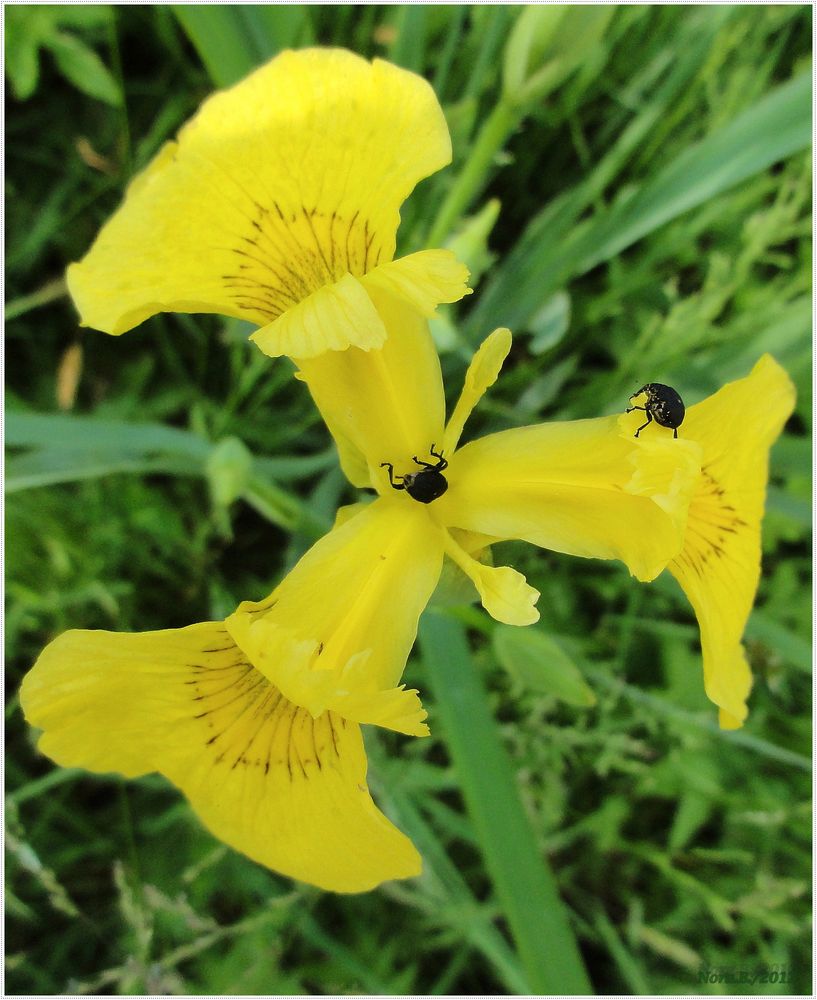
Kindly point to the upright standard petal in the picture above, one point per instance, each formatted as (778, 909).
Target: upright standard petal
(264, 775)
(282, 185)
(719, 566)
(336, 634)
(583, 487)
(381, 406)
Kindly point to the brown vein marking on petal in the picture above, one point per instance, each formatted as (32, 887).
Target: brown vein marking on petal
(246, 722)
(283, 257)
(712, 526)
(262, 606)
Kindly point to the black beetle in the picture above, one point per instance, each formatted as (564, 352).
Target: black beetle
(663, 405)
(424, 486)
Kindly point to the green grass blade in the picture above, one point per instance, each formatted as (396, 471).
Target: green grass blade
(46, 468)
(554, 249)
(41, 430)
(222, 39)
(524, 884)
(275, 27)
(49, 292)
(602, 678)
(450, 891)
(408, 49)
(776, 127)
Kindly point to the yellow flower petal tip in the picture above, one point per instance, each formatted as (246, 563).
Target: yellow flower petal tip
(504, 592)
(422, 280)
(719, 565)
(286, 184)
(727, 721)
(265, 776)
(482, 373)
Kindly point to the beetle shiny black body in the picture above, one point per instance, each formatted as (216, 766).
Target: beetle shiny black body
(424, 486)
(663, 405)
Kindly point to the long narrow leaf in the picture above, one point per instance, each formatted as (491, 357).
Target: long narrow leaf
(549, 254)
(42, 430)
(222, 39)
(524, 884)
(776, 127)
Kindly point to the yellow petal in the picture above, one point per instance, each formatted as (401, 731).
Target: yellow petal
(336, 634)
(481, 375)
(330, 319)
(262, 774)
(581, 487)
(279, 186)
(505, 593)
(719, 566)
(422, 280)
(381, 406)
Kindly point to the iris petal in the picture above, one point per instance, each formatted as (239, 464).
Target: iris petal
(482, 373)
(504, 592)
(719, 566)
(336, 634)
(264, 775)
(284, 184)
(582, 487)
(381, 406)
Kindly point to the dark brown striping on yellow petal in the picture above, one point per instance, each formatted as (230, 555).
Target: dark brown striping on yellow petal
(712, 525)
(285, 257)
(246, 722)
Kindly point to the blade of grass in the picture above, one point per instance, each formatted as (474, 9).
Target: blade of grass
(222, 39)
(37, 787)
(353, 967)
(452, 40)
(525, 886)
(777, 126)
(41, 430)
(408, 49)
(603, 679)
(276, 26)
(90, 448)
(556, 221)
(46, 468)
(627, 964)
(451, 894)
(490, 34)
(49, 292)
(553, 250)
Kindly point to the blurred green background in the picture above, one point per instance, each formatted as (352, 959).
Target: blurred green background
(631, 189)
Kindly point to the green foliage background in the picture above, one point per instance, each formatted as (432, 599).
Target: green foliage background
(631, 189)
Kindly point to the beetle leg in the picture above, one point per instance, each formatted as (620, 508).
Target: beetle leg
(675, 432)
(649, 420)
(392, 483)
(425, 465)
(631, 408)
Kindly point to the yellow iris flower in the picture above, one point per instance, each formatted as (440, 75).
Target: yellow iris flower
(279, 204)
(258, 212)
(257, 719)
